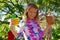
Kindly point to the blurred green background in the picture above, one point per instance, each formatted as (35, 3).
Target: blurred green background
(15, 8)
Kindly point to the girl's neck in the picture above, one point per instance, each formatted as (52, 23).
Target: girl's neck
(30, 19)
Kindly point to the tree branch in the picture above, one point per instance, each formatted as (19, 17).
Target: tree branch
(4, 22)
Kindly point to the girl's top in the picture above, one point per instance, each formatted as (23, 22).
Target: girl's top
(31, 30)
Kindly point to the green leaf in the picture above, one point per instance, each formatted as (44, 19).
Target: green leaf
(13, 16)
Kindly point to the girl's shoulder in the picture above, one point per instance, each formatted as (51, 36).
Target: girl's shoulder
(22, 23)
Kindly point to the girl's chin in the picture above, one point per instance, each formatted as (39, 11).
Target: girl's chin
(31, 18)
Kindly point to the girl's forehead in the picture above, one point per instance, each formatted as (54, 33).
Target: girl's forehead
(33, 9)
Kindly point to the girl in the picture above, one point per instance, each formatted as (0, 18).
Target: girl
(30, 26)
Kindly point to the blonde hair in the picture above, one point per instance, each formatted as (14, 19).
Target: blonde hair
(28, 8)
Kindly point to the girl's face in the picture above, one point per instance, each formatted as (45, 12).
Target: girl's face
(32, 13)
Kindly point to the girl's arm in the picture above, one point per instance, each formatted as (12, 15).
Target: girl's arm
(17, 35)
(12, 30)
(46, 30)
(48, 26)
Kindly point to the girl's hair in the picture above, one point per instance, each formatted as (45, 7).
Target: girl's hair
(29, 6)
